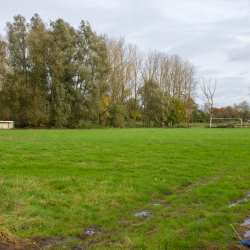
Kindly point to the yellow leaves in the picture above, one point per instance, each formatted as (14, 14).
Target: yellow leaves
(106, 101)
(132, 115)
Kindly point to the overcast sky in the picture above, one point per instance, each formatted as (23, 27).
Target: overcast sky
(212, 34)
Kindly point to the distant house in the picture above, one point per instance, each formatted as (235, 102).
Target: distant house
(6, 124)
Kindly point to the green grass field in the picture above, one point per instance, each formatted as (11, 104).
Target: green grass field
(64, 183)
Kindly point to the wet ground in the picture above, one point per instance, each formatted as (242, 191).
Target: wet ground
(78, 241)
(238, 202)
(72, 242)
(245, 231)
(143, 213)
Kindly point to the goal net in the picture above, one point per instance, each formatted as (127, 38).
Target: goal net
(226, 122)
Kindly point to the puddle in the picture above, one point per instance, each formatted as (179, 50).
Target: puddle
(239, 201)
(247, 234)
(92, 231)
(67, 240)
(146, 214)
(149, 218)
(143, 213)
(47, 242)
(246, 222)
(204, 184)
(233, 204)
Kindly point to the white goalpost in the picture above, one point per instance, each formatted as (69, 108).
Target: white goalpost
(227, 119)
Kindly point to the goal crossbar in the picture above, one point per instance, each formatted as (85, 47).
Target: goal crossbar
(229, 119)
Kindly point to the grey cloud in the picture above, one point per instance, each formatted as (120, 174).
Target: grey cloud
(204, 32)
(242, 54)
(218, 37)
(229, 90)
(243, 73)
(209, 72)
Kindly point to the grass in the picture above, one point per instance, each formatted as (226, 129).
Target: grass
(65, 181)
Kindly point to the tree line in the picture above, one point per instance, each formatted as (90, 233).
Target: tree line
(241, 110)
(58, 76)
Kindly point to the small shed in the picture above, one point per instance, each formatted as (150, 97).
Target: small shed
(6, 124)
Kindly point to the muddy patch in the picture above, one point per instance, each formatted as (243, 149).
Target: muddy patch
(246, 228)
(234, 204)
(69, 242)
(143, 213)
(88, 233)
(239, 202)
(157, 204)
(247, 234)
(77, 248)
(243, 233)
(5, 247)
(92, 231)
(246, 222)
(9, 241)
(47, 242)
(72, 241)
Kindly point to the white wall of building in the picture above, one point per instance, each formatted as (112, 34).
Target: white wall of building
(6, 124)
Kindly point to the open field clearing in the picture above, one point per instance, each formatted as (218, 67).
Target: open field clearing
(124, 188)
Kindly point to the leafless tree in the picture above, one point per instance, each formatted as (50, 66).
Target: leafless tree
(3, 56)
(136, 58)
(208, 88)
(188, 88)
(121, 68)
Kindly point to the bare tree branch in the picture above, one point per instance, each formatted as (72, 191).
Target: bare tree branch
(208, 89)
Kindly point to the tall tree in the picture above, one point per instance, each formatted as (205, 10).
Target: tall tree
(15, 85)
(37, 44)
(208, 90)
(152, 98)
(92, 71)
(4, 111)
(188, 89)
(176, 113)
(60, 76)
(120, 74)
(61, 71)
(136, 58)
(244, 109)
(3, 57)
